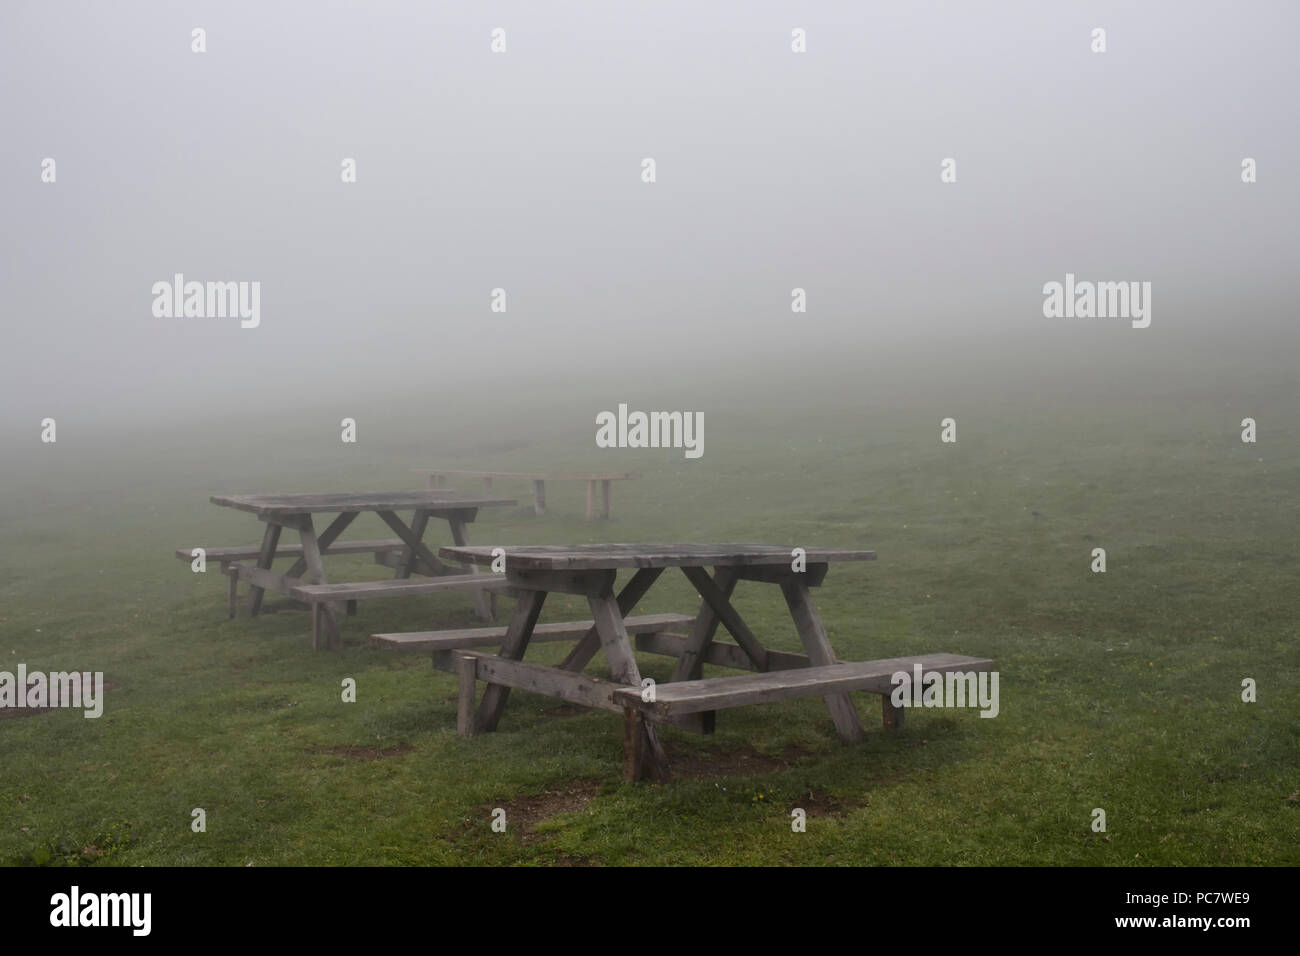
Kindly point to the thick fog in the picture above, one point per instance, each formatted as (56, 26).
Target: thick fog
(522, 171)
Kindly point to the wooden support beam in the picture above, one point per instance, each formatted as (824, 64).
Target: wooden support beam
(706, 625)
(721, 653)
(270, 539)
(232, 572)
(628, 598)
(518, 633)
(415, 544)
(776, 573)
(731, 620)
(419, 522)
(649, 756)
(540, 679)
(327, 538)
(468, 671)
(585, 583)
(643, 758)
(818, 646)
(484, 603)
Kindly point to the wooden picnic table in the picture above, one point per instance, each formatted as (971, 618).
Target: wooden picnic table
(294, 511)
(438, 479)
(533, 572)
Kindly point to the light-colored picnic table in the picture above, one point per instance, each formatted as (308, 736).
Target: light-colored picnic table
(438, 479)
(295, 511)
(589, 570)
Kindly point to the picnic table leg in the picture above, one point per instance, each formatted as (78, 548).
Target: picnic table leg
(232, 572)
(324, 540)
(435, 566)
(324, 619)
(539, 497)
(705, 627)
(484, 601)
(644, 756)
(270, 541)
(893, 716)
(468, 671)
(607, 496)
(419, 522)
(591, 500)
(518, 633)
(628, 598)
(818, 647)
(728, 615)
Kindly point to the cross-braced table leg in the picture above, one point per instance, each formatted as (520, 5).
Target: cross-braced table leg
(324, 540)
(689, 665)
(818, 646)
(484, 601)
(419, 521)
(528, 607)
(270, 541)
(628, 598)
(324, 616)
(644, 754)
(720, 604)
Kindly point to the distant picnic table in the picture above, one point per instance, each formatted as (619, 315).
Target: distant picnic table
(305, 580)
(438, 479)
(687, 701)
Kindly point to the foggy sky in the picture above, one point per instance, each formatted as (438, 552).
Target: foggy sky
(522, 171)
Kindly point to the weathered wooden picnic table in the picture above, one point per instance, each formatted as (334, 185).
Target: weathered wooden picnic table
(295, 512)
(438, 479)
(688, 702)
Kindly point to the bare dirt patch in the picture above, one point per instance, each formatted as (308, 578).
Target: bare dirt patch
(363, 753)
(730, 761)
(818, 804)
(524, 813)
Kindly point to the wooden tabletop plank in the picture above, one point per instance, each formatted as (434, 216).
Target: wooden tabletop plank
(428, 499)
(592, 557)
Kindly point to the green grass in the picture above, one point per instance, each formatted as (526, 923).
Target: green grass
(1118, 690)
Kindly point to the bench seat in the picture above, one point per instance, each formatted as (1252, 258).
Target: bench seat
(229, 555)
(365, 590)
(321, 596)
(489, 636)
(717, 693)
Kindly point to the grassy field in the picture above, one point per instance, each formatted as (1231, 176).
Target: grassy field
(1119, 690)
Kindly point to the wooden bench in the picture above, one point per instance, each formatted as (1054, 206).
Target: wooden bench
(228, 556)
(322, 597)
(438, 479)
(683, 698)
(647, 624)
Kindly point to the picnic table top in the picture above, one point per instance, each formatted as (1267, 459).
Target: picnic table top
(429, 499)
(532, 475)
(600, 557)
